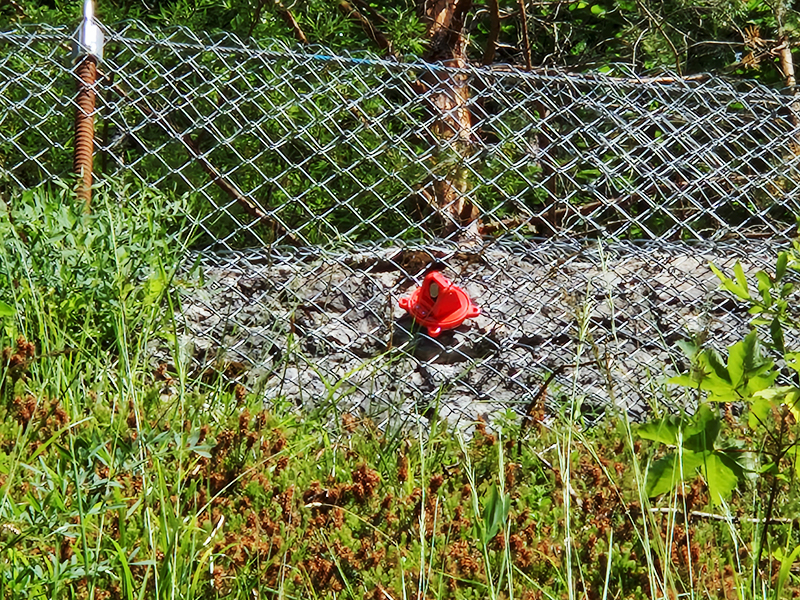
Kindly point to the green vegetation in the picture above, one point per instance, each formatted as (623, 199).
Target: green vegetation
(120, 478)
(327, 152)
(689, 36)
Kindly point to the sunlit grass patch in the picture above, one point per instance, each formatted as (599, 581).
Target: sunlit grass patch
(125, 477)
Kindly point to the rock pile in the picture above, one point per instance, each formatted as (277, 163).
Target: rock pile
(321, 329)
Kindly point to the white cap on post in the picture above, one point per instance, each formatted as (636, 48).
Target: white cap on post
(89, 37)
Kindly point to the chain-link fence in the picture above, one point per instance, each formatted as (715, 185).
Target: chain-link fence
(579, 211)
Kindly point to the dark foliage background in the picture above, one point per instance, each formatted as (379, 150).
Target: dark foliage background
(686, 36)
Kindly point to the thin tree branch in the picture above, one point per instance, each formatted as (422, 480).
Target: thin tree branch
(452, 128)
(787, 68)
(663, 33)
(373, 33)
(526, 43)
(376, 16)
(445, 25)
(289, 19)
(216, 177)
(220, 181)
(716, 517)
(17, 8)
(494, 32)
(535, 401)
(256, 17)
(784, 51)
(601, 77)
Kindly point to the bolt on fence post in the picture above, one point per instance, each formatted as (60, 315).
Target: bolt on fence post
(87, 51)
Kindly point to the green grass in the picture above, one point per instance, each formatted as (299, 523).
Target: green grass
(120, 478)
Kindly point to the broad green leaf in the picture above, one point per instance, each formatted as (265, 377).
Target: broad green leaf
(778, 394)
(745, 360)
(6, 310)
(786, 394)
(759, 411)
(495, 513)
(720, 474)
(701, 434)
(765, 370)
(709, 374)
(665, 473)
(742, 461)
(721, 391)
(685, 380)
(712, 358)
(757, 384)
(664, 430)
(700, 421)
(752, 354)
(722, 469)
(768, 468)
(672, 431)
(746, 372)
(786, 566)
(780, 266)
(689, 349)
(793, 360)
(737, 357)
(729, 284)
(739, 461)
(740, 278)
(764, 287)
(776, 332)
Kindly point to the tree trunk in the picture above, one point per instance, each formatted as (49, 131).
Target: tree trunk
(452, 130)
(787, 68)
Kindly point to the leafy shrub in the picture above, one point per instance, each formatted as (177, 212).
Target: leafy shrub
(85, 271)
(762, 446)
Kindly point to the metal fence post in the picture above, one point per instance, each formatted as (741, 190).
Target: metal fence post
(87, 52)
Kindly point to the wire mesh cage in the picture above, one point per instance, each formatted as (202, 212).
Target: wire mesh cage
(579, 212)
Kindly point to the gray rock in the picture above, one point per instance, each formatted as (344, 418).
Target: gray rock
(611, 315)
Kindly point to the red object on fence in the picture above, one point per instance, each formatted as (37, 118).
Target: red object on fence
(439, 304)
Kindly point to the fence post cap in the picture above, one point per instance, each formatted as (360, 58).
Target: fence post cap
(88, 37)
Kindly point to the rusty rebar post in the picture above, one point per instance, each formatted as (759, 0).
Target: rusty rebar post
(87, 52)
(86, 74)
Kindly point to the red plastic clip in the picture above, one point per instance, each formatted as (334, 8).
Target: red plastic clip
(439, 304)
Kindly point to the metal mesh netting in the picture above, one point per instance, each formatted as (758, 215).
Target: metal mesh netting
(593, 205)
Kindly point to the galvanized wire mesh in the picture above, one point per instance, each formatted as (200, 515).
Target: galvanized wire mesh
(580, 210)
